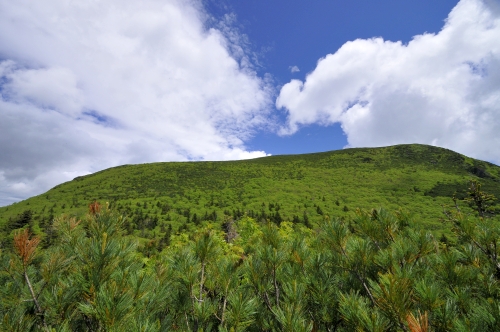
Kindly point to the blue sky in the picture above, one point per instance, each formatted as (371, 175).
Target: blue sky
(289, 33)
(298, 33)
(89, 85)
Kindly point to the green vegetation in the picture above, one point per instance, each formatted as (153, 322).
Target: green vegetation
(285, 243)
(161, 199)
(373, 271)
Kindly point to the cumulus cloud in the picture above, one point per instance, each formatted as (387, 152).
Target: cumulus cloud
(92, 84)
(441, 89)
(294, 69)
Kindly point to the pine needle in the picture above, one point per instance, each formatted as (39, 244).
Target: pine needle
(420, 324)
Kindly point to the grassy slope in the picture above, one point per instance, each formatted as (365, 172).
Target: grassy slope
(418, 178)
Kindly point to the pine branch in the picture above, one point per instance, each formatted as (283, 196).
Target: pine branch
(25, 248)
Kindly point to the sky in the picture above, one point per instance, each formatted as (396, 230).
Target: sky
(87, 85)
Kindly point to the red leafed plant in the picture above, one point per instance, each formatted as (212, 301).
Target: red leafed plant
(25, 247)
(94, 208)
(418, 324)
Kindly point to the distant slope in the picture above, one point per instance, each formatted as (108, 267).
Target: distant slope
(300, 188)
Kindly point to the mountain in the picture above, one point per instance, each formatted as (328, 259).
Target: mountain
(299, 188)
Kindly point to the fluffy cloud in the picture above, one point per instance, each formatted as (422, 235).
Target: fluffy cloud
(86, 85)
(441, 89)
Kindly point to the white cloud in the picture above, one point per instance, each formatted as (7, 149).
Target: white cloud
(294, 69)
(441, 89)
(92, 84)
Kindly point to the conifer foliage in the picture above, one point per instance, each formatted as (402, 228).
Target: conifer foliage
(374, 272)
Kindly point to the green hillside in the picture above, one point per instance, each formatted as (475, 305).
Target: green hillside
(299, 188)
(271, 244)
